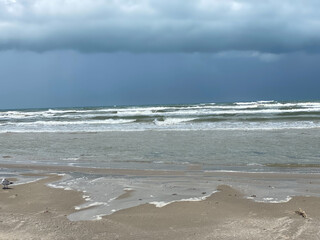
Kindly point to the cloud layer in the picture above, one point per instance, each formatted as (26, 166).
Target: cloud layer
(271, 26)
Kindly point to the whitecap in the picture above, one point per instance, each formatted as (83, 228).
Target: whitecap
(172, 121)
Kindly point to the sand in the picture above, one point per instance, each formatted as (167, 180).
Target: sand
(35, 211)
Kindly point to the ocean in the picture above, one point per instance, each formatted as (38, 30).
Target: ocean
(258, 115)
(200, 141)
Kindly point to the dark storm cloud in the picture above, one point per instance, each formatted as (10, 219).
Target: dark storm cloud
(69, 78)
(271, 26)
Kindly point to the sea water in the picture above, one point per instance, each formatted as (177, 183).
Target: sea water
(196, 139)
(209, 116)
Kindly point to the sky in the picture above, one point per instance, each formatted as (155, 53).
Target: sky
(65, 53)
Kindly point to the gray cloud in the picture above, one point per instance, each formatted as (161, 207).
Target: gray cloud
(272, 27)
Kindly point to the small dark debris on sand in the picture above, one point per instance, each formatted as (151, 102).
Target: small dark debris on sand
(301, 213)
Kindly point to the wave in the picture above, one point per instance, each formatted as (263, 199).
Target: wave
(278, 104)
(246, 115)
(39, 123)
(239, 107)
(172, 121)
(254, 103)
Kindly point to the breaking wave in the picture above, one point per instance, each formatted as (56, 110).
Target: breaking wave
(238, 115)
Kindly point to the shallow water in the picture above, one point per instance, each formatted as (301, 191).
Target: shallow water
(286, 150)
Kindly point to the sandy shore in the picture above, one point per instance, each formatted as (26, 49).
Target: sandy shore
(35, 211)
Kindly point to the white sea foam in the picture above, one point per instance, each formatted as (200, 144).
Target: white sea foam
(66, 188)
(224, 110)
(55, 186)
(85, 206)
(160, 204)
(86, 197)
(99, 217)
(245, 103)
(108, 121)
(255, 164)
(274, 200)
(27, 182)
(270, 101)
(70, 159)
(172, 121)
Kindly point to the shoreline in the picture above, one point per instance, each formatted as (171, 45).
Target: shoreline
(223, 215)
(175, 186)
(153, 172)
(61, 168)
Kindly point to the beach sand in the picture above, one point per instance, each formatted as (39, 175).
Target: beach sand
(35, 211)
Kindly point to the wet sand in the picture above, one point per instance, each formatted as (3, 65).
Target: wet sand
(129, 172)
(35, 211)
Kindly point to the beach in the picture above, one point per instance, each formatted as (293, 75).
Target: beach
(165, 120)
(204, 171)
(36, 211)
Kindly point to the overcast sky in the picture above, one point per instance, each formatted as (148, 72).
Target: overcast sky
(106, 52)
